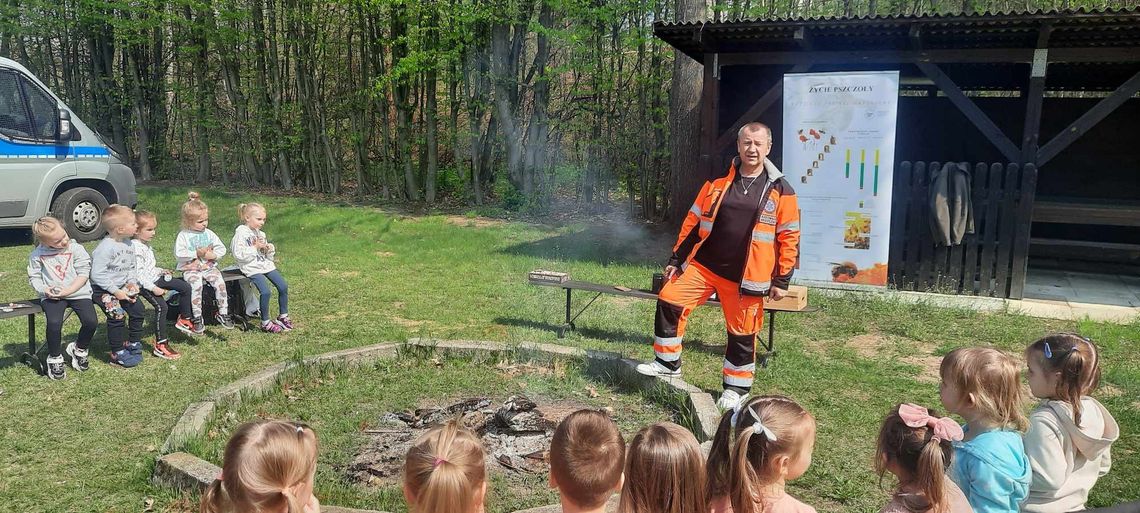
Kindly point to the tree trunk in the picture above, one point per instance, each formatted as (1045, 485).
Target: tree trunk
(685, 120)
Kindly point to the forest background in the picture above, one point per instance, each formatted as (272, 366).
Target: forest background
(500, 104)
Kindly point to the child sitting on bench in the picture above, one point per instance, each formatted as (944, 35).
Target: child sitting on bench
(57, 270)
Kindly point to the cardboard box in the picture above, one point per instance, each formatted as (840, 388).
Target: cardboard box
(795, 300)
(540, 275)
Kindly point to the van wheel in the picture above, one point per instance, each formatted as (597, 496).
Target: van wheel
(80, 210)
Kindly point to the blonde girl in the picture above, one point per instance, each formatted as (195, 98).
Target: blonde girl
(444, 471)
(198, 249)
(759, 446)
(254, 255)
(268, 467)
(983, 386)
(915, 445)
(665, 472)
(1070, 433)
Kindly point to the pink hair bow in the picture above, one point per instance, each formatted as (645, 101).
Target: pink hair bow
(944, 428)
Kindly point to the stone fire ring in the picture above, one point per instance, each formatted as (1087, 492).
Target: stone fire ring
(184, 471)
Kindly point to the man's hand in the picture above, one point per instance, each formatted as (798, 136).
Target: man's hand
(158, 291)
(777, 293)
(121, 295)
(671, 271)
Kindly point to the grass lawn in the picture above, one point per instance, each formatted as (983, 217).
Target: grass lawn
(361, 276)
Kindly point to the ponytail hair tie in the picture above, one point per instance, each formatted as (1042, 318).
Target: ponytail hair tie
(758, 426)
(438, 461)
(943, 428)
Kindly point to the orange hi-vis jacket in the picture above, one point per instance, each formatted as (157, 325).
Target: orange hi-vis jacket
(774, 246)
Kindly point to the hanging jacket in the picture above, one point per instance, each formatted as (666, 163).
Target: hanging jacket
(774, 246)
(951, 206)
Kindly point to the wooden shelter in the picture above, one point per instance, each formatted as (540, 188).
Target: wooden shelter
(1041, 104)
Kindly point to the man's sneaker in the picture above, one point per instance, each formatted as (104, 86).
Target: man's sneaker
(224, 321)
(272, 327)
(55, 367)
(655, 368)
(199, 326)
(135, 348)
(729, 399)
(78, 356)
(186, 326)
(285, 322)
(163, 350)
(125, 357)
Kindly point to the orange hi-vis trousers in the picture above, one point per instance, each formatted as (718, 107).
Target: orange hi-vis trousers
(743, 317)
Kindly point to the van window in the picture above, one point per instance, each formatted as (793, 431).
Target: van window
(45, 112)
(14, 119)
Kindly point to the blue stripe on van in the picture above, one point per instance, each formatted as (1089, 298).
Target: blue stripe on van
(15, 150)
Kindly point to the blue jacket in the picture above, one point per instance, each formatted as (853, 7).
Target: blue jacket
(993, 471)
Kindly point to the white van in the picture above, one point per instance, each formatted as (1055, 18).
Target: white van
(51, 162)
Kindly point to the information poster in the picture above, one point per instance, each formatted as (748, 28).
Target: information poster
(839, 148)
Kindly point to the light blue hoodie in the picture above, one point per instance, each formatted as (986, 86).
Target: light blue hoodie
(993, 471)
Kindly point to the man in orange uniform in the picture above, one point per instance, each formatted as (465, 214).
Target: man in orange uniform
(740, 239)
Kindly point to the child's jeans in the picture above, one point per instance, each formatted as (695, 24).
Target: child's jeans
(212, 276)
(54, 310)
(261, 281)
(120, 330)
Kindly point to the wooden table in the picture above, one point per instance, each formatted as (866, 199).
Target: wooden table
(28, 309)
(598, 289)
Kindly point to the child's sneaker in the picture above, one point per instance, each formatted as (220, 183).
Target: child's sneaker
(125, 357)
(185, 326)
(284, 321)
(199, 326)
(55, 367)
(272, 327)
(224, 321)
(163, 350)
(78, 356)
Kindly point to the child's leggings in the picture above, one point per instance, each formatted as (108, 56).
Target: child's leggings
(54, 310)
(214, 278)
(160, 307)
(261, 281)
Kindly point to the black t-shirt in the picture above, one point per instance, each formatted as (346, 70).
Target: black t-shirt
(726, 247)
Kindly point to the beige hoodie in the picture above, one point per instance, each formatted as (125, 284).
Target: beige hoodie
(1066, 459)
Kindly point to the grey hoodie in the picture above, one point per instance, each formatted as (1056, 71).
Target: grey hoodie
(1067, 460)
(113, 264)
(51, 267)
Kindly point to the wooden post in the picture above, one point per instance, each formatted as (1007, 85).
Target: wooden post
(710, 106)
(1035, 96)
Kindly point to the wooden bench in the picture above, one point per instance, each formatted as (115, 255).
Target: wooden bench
(598, 289)
(29, 309)
(1081, 211)
(1074, 211)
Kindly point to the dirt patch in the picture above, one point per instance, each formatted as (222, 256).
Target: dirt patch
(928, 366)
(384, 254)
(869, 345)
(409, 323)
(1109, 390)
(474, 222)
(516, 434)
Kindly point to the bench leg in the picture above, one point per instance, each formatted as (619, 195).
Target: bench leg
(30, 358)
(771, 345)
(568, 324)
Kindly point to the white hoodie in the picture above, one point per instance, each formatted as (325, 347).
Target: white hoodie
(1066, 459)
